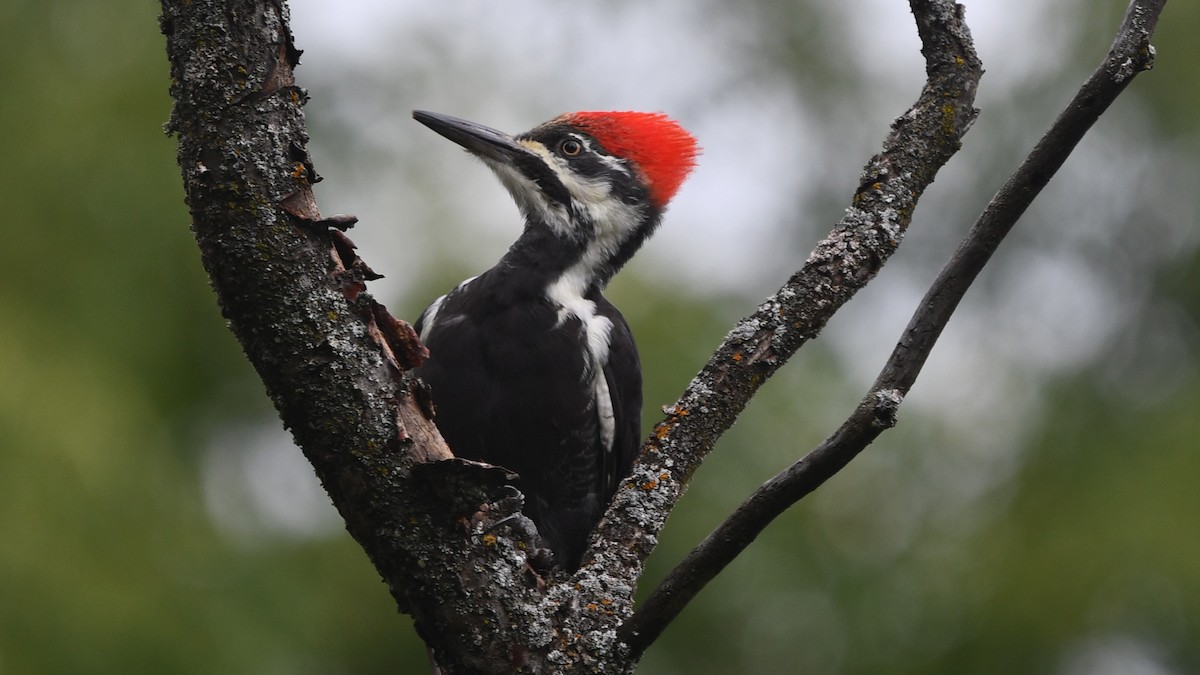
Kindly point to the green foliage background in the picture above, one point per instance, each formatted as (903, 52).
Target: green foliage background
(116, 372)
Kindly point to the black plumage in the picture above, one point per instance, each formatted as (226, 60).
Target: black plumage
(511, 386)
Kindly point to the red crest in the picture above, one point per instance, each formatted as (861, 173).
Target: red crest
(664, 151)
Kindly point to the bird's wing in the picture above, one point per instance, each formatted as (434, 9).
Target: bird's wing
(623, 373)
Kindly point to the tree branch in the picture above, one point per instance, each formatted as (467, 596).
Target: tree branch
(447, 536)
(331, 357)
(922, 140)
(1130, 54)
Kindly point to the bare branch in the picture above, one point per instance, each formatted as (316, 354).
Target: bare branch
(447, 536)
(1131, 53)
(921, 141)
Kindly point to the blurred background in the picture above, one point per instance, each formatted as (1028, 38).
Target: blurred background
(1036, 511)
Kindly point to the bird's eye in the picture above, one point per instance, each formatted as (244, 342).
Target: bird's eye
(571, 148)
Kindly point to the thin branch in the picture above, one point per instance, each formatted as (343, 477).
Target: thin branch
(1130, 54)
(922, 140)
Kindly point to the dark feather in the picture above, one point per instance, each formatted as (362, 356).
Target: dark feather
(510, 384)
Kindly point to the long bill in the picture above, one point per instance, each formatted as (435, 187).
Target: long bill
(477, 138)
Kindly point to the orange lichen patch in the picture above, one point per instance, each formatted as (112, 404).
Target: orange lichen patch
(650, 485)
(737, 357)
(948, 119)
(489, 539)
(299, 171)
(591, 607)
(605, 601)
(661, 431)
(664, 475)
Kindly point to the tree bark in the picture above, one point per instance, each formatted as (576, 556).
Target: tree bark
(445, 534)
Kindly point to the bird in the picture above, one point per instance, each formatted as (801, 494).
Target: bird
(530, 367)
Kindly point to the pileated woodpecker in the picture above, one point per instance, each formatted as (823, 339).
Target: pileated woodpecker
(531, 367)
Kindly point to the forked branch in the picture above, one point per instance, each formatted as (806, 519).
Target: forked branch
(921, 141)
(1130, 54)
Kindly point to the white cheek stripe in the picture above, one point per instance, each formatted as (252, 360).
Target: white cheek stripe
(614, 220)
(529, 197)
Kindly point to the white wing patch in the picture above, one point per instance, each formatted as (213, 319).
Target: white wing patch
(604, 411)
(428, 318)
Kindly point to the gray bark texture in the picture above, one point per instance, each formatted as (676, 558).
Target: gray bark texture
(446, 535)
